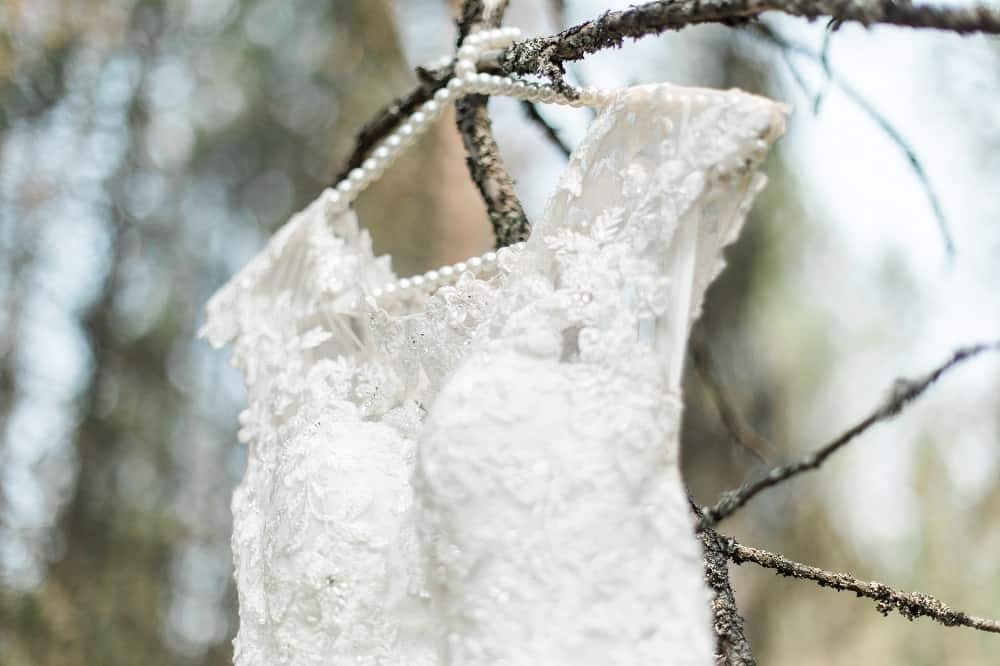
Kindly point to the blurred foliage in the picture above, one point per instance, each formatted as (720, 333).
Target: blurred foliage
(148, 149)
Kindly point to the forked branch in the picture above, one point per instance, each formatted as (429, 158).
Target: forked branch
(545, 56)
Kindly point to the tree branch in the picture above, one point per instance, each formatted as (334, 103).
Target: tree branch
(731, 645)
(903, 393)
(910, 605)
(486, 166)
(545, 56)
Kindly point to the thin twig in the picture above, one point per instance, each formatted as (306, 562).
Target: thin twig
(910, 605)
(531, 111)
(545, 55)
(824, 59)
(486, 166)
(869, 109)
(793, 69)
(739, 431)
(903, 393)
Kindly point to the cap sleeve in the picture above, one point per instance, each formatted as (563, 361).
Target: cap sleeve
(309, 281)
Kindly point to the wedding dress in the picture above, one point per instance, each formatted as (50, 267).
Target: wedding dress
(541, 399)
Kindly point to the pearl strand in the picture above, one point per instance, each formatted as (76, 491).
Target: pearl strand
(467, 81)
(405, 288)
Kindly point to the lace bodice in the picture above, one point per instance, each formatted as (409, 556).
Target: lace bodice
(551, 518)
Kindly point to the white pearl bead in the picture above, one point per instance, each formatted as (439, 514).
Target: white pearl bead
(431, 108)
(470, 81)
(382, 153)
(346, 188)
(456, 85)
(473, 40)
(405, 132)
(432, 276)
(418, 119)
(417, 280)
(377, 294)
(394, 142)
(464, 67)
(475, 264)
(404, 284)
(442, 95)
(459, 268)
(333, 199)
(373, 169)
(468, 52)
(490, 257)
(447, 271)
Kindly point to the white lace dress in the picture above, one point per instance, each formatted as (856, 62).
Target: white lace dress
(541, 402)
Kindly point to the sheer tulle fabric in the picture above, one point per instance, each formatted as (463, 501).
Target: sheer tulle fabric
(489, 474)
